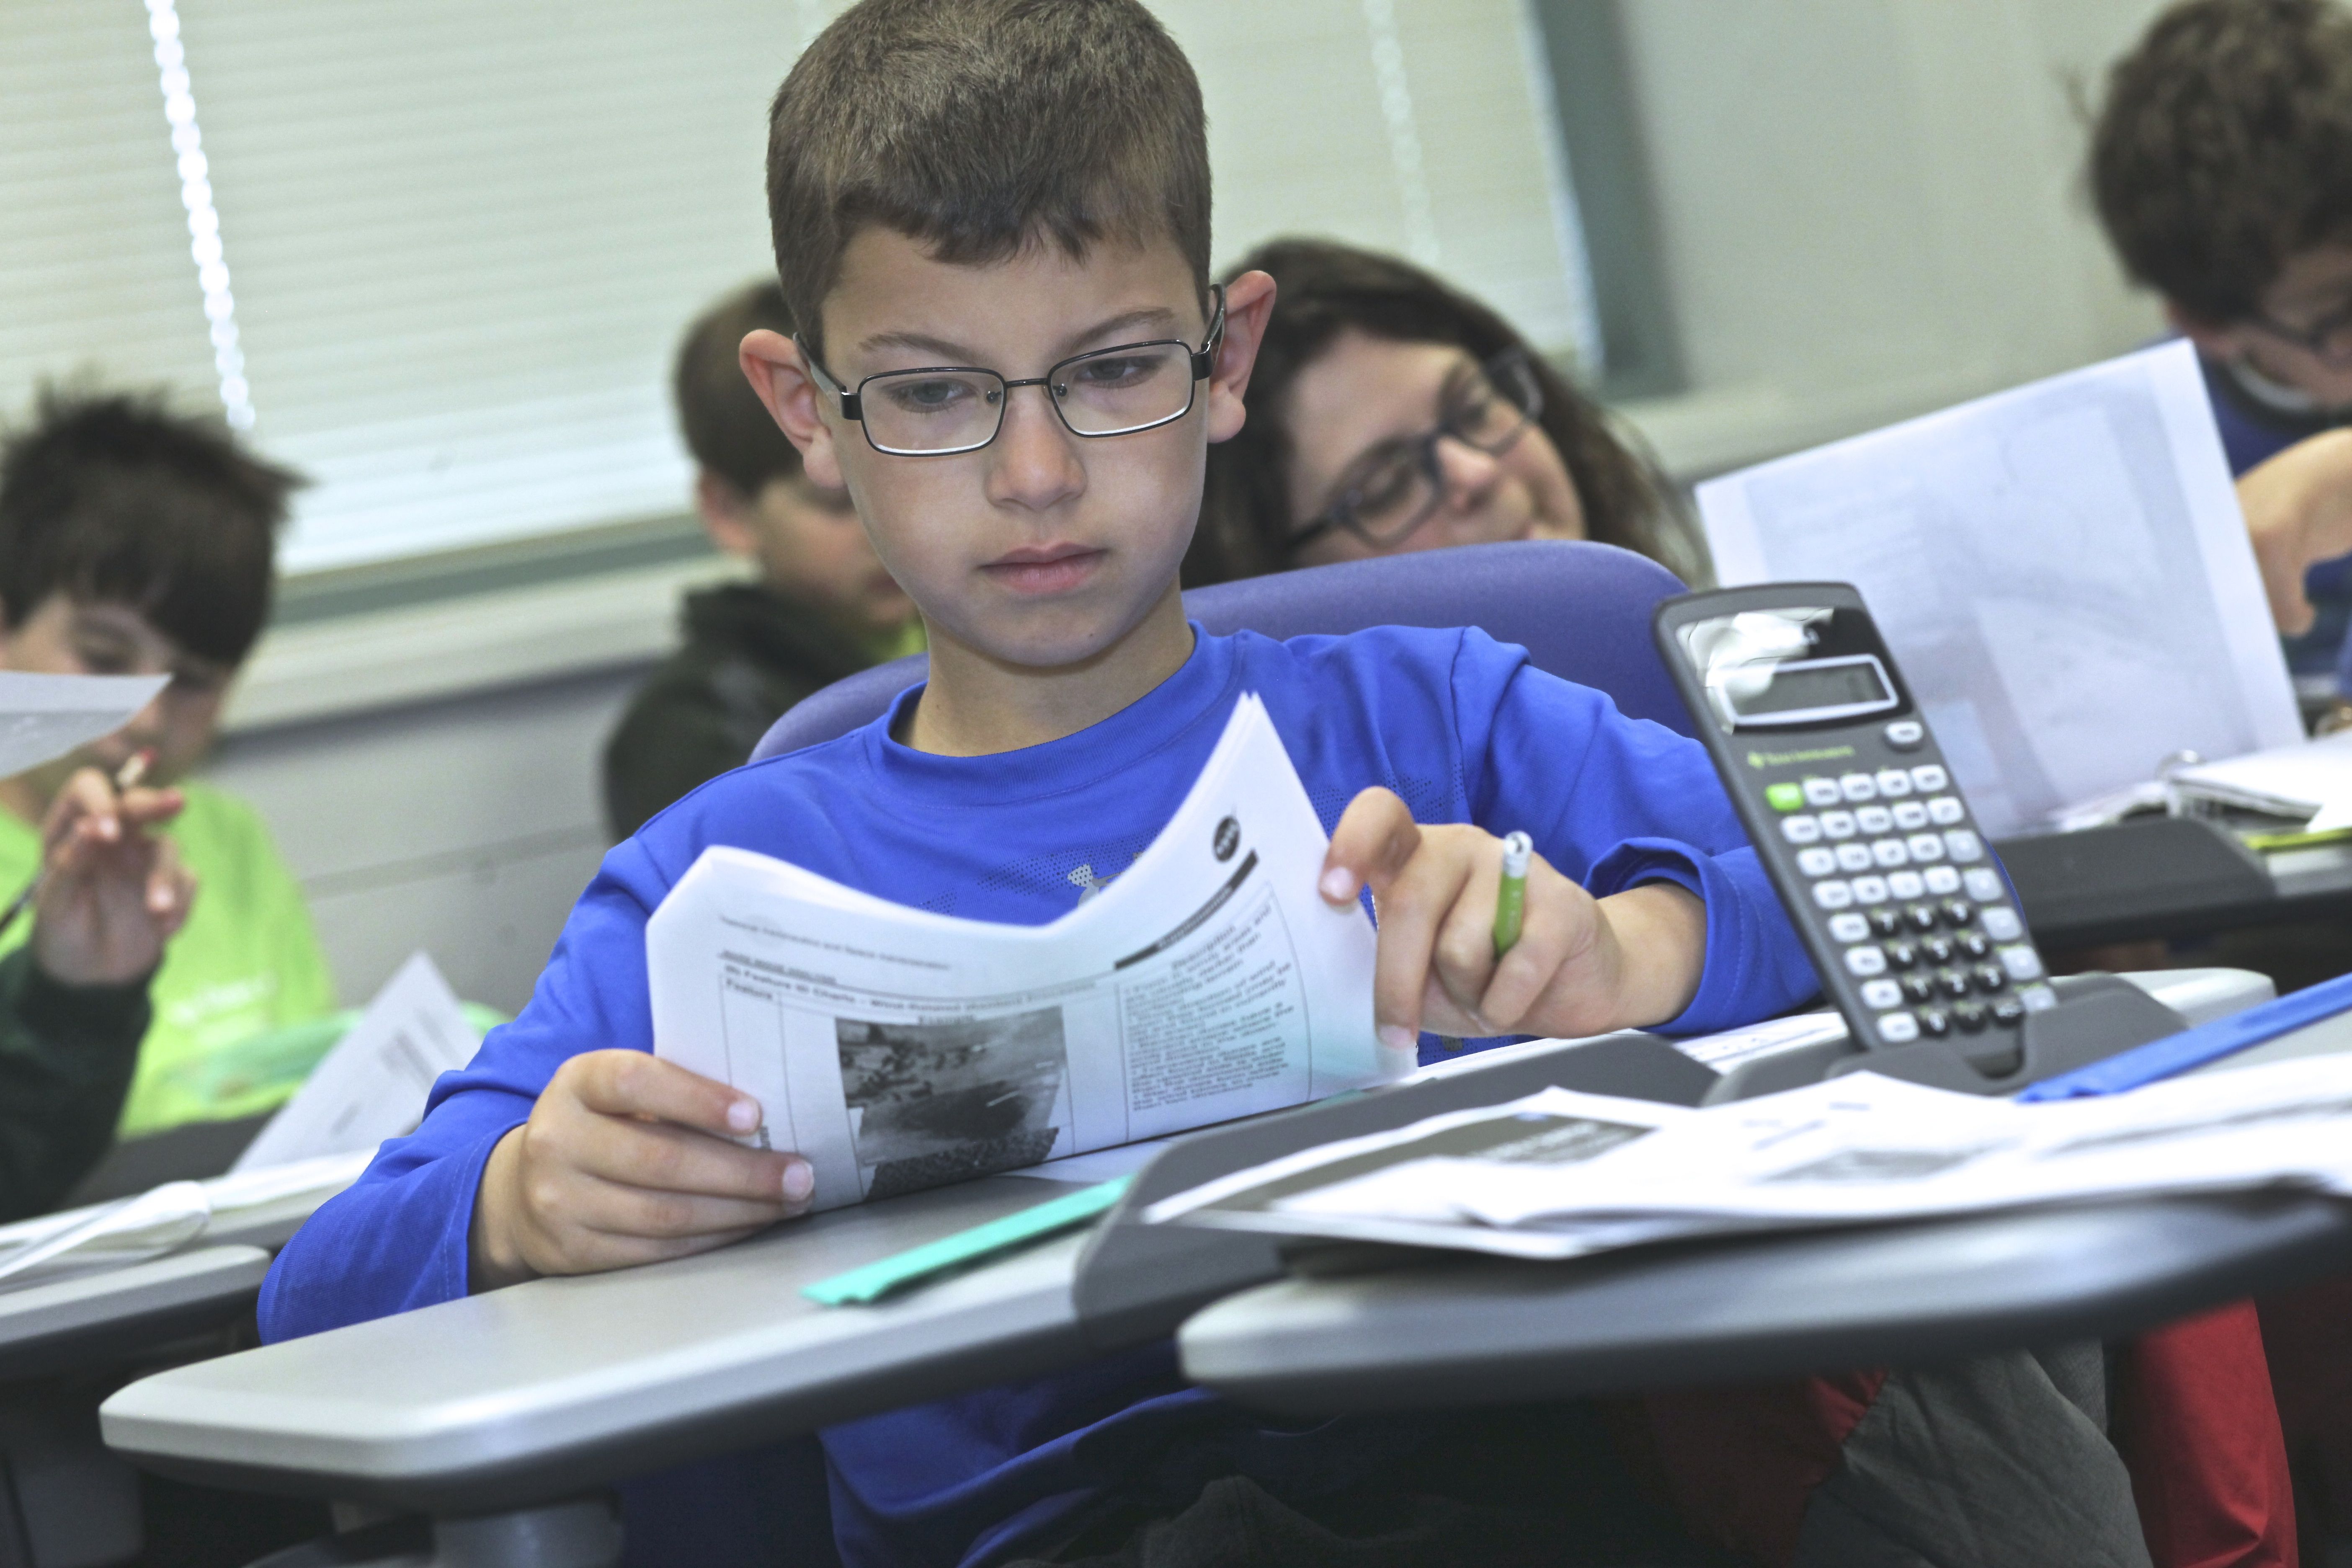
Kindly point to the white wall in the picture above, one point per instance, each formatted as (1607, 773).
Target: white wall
(1871, 208)
(465, 827)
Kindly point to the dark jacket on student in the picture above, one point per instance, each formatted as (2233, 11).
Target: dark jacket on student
(749, 654)
(65, 1055)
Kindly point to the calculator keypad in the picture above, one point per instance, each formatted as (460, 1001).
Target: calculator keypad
(1925, 926)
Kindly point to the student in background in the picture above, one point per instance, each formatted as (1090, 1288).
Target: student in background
(822, 609)
(73, 999)
(2221, 167)
(1389, 411)
(133, 541)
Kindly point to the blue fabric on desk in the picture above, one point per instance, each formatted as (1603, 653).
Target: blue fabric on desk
(1454, 723)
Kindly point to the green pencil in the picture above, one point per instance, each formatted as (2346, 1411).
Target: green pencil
(1511, 896)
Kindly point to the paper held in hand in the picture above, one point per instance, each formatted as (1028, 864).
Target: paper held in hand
(1563, 1174)
(43, 717)
(899, 1049)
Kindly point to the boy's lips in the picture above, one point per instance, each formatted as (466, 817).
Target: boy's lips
(1046, 569)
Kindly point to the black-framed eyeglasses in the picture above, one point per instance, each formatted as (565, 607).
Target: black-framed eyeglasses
(2329, 339)
(941, 410)
(1398, 485)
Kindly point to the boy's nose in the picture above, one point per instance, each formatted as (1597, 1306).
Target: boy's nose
(1037, 461)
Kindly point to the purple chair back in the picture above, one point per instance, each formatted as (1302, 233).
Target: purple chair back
(1580, 610)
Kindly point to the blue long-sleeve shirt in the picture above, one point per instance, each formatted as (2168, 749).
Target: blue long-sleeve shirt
(1459, 726)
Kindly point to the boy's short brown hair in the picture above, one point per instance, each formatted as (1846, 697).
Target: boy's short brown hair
(726, 426)
(113, 498)
(981, 127)
(2224, 147)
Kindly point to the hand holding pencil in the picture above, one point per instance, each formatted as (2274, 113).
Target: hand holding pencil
(1481, 936)
(110, 891)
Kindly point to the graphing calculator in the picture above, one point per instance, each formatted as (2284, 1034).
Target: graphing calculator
(1851, 807)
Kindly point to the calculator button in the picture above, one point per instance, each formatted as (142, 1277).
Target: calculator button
(1983, 884)
(1935, 1021)
(1881, 993)
(1893, 781)
(1970, 1016)
(2001, 924)
(1837, 824)
(1858, 787)
(1785, 796)
(1945, 810)
(1902, 954)
(1957, 912)
(1870, 889)
(1821, 792)
(1928, 778)
(1905, 734)
(1920, 987)
(1973, 944)
(1886, 923)
(1964, 844)
(1943, 880)
(1938, 949)
(1849, 927)
(1873, 820)
(1833, 895)
(2022, 962)
(1989, 977)
(1801, 829)
(1854, 856)
(1890, 853)
(1898, 1028)
(1925, 847)
(1816, 861)
(2037, 998)
(1910, 814)
(1906, 885)
(1865, 961)
(2008, 1012)
(1921, 918)
(1952, 982)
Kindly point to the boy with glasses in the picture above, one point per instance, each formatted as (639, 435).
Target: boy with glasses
(991, 225)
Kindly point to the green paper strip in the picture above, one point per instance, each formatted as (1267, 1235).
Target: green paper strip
(876, 1280)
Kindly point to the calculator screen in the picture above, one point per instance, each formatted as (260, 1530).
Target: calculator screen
(1808, 687)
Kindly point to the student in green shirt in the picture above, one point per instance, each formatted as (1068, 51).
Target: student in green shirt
(136, 540)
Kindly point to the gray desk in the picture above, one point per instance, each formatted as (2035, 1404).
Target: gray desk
(509, 1400)
(50, 1328)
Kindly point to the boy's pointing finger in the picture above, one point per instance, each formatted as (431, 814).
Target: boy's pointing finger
(1374, 840)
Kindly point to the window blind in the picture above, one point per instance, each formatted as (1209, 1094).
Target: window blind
(465, 238)
(95, 272)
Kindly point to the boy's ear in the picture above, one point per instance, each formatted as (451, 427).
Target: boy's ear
(1249, 302)
(725, 514)
(773, 365)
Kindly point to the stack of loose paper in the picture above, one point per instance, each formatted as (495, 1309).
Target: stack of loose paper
(372, 1085)
(897, 1049)
(1562, 1174)
(2061, 570)
(2310, 780)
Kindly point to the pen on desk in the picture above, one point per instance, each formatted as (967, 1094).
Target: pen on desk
(126, 777)
(1511, 896)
